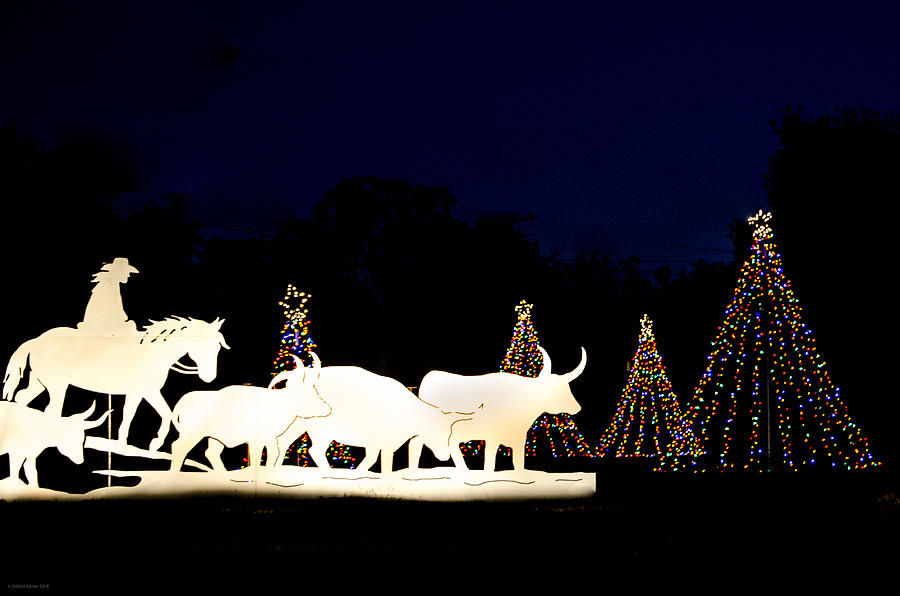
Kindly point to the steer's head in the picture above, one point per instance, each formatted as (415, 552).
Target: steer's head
(71, 433)
(301, 383)
(555, 390)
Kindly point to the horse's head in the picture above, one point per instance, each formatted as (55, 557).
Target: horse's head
(205, 351)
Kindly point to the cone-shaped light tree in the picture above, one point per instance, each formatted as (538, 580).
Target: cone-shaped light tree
(523, 357)
(766, 400)
(649, 423)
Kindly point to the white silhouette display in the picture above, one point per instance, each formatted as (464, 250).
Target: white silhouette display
(135, 366)
(25, 433)
(103, 355)
(107, 354)
(375, 412)
(242, 414)
(500, 407)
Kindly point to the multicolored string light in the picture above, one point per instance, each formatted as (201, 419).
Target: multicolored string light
(766, 400)
(523, 356)
(648, 422)
(295, 338)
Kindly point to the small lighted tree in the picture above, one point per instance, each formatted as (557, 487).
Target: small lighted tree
(766, 400)
(648, 423)
(523, 357)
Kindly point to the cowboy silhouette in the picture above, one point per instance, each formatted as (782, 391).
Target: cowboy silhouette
(105, 314)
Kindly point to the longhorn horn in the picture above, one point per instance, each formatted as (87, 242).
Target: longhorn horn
(82, 416)
(278, 378)
(576, 372)
(316, 366)
(97, 422)
(287, 375)
(545, 368)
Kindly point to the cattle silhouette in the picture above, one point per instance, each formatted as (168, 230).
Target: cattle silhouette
(499, 408)
(25, 433)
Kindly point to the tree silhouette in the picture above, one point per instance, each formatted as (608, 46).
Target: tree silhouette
(833, 188)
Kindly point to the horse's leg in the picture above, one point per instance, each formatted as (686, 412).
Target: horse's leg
(155, 399)
(131, 404)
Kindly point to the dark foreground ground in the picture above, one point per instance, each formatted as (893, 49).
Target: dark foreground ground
(709, 533)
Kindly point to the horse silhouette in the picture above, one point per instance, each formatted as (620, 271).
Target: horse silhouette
(135, 366)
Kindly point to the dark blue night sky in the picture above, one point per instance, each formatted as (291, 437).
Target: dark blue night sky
(640, 129)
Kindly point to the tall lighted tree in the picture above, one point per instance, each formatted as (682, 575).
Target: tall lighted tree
(766, 400)
(649, 423)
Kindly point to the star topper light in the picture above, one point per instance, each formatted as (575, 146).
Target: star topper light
(760, 223)
(646, 326)
(294, 313)
(523, 309)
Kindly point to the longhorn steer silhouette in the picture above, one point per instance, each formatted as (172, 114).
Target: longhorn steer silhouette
(500, 407)
(26, 432)
(376, 412)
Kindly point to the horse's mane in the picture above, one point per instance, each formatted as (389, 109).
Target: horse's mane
(167, 328)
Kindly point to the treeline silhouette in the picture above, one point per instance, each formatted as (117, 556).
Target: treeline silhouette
(402, 285)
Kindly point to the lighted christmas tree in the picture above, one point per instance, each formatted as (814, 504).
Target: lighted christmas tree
(766, 400)
(523, 357)
(295, 338)
(648, 422)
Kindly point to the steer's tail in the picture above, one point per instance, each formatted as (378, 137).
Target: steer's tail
(15, 369)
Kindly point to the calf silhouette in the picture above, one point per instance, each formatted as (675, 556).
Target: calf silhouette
(25, 433)
(240, 414)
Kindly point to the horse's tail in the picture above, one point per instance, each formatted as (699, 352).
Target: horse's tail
(15, 370)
